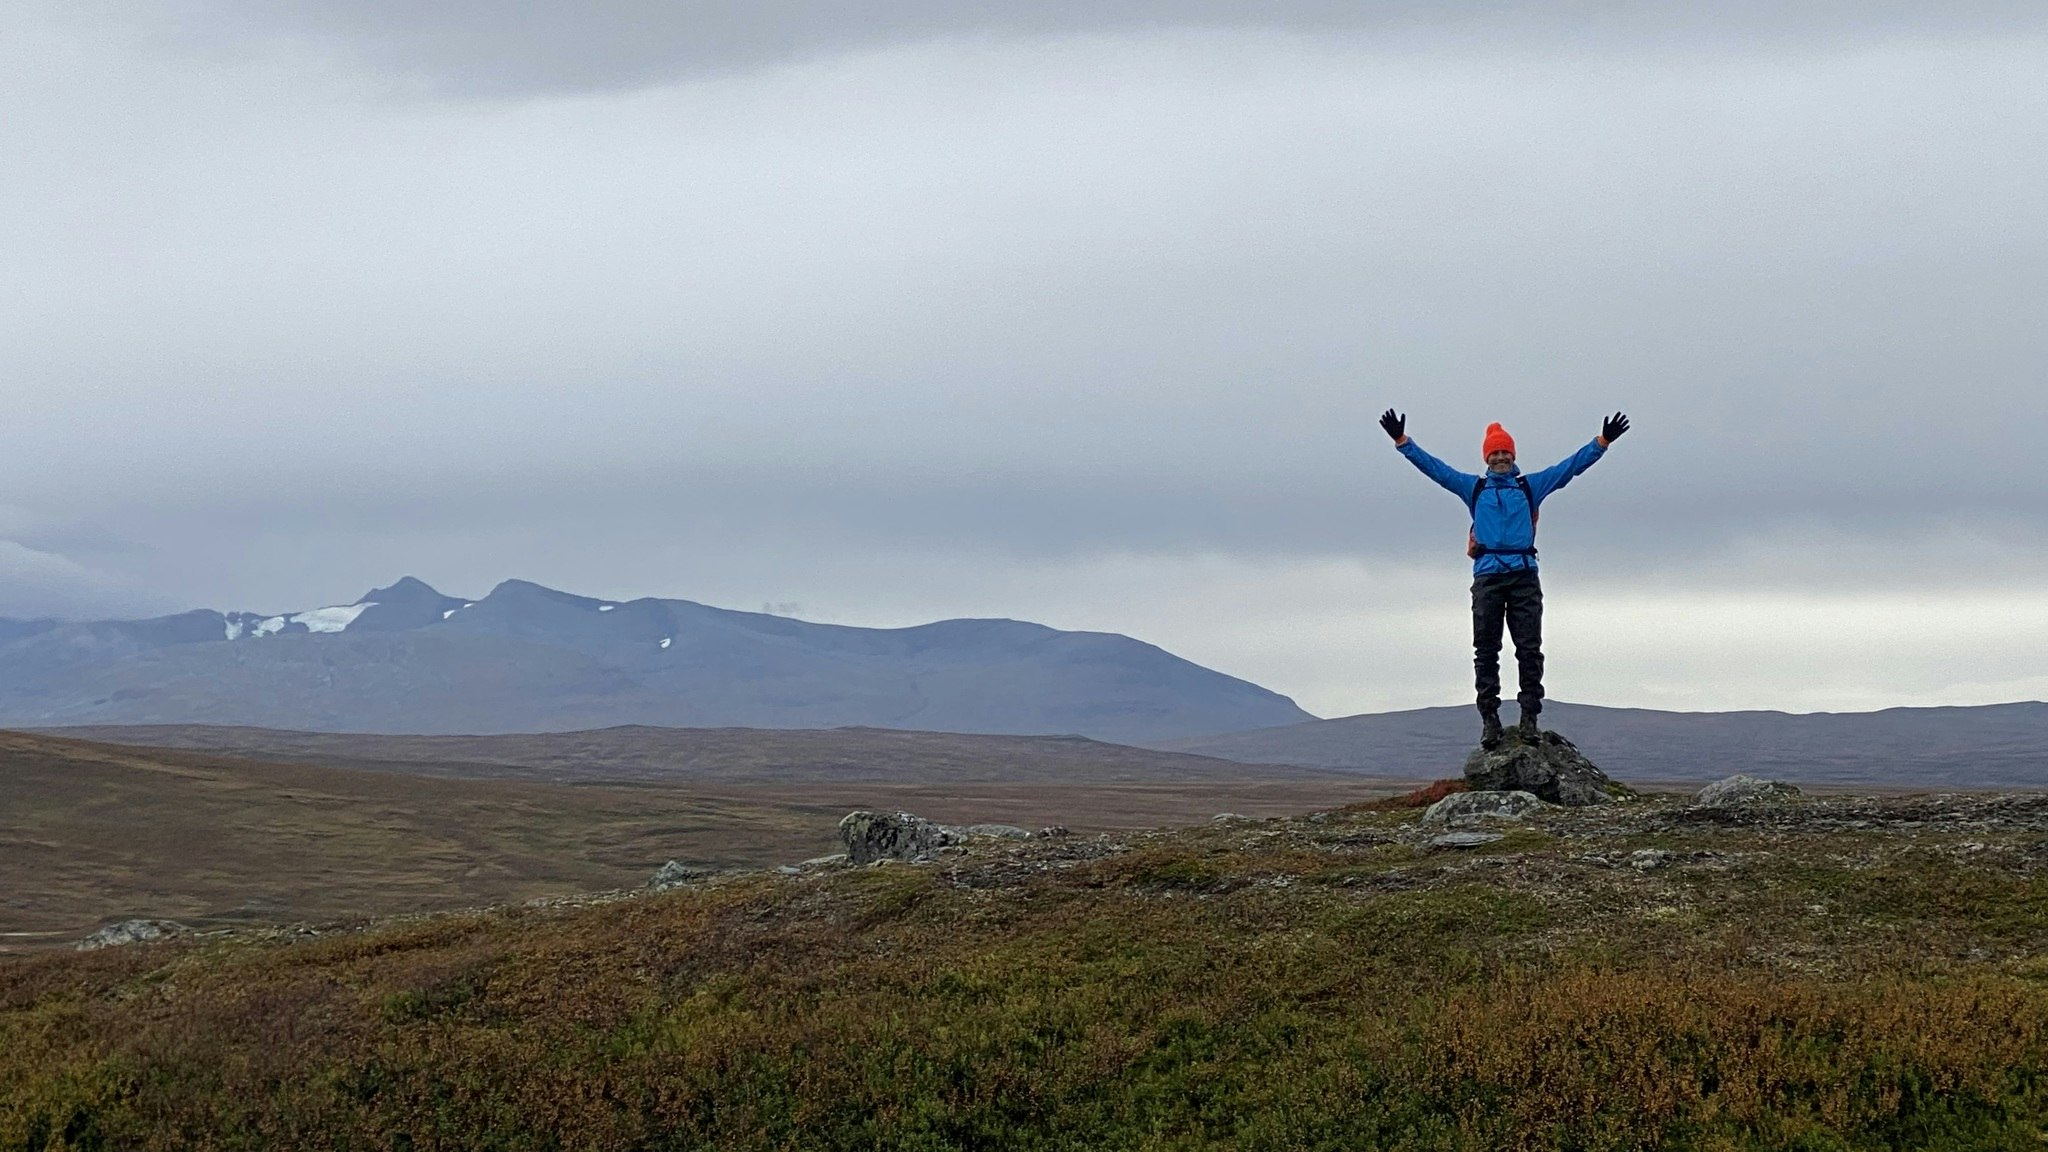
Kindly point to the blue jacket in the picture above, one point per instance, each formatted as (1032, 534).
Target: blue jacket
(1501, 517)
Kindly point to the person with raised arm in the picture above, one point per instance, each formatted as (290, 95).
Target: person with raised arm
(1504, 505)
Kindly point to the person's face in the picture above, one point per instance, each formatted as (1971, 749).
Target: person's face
(1501, 461)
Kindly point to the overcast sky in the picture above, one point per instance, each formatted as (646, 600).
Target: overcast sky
(1073, 312)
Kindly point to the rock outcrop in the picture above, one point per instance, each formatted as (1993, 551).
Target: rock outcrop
(1739, 789)
(131, 932)
(1549, 766)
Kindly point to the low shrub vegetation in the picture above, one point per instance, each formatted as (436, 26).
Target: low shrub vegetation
(1188, 993)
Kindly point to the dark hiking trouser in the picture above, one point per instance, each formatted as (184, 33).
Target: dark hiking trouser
(1514, 598)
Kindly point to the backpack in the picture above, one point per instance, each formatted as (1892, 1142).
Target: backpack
(1472, 546)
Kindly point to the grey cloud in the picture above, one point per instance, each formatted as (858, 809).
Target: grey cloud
(883, 330)
(502, 48)
(36, 584)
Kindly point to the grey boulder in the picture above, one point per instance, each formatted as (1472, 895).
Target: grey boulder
(1462, 807)
(1548, 766)
(872, 836)
(1740, 789)
(131, 932)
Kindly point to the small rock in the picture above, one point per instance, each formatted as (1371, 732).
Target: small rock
(1464, 839)
(872, 836)
(1740, 789)
(1052, 832)
(1549, 766)
(131, 932)
(1230, 818)
(675, 874)
(1459, 807)
(998, 831)
(835, 860)
(789, 870)
(1651, 859)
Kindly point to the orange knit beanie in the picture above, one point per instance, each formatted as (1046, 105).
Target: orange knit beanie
(1497, 440)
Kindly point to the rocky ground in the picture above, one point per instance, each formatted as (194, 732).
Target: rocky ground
(1652, 855)
(1822, 885)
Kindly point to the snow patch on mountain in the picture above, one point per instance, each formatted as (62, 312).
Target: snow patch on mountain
(335, 619)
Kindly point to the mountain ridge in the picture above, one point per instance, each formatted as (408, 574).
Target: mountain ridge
(406, 658)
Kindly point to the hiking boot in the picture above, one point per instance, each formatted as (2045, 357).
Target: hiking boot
(1527, 729)
(1489, 730)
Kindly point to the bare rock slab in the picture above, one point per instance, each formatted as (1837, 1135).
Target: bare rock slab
(1465, 839)
(1549, 766)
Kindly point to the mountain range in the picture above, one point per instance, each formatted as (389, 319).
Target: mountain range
(409, 659)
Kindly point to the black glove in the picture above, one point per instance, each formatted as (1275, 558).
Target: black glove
(1612, 428)
(1396, 426)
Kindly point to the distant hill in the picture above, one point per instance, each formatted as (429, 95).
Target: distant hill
(530, 659)
(1997, 745)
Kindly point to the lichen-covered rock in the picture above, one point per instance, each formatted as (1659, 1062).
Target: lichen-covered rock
(1739, 789)
(1651, 859)
(872, 836)
(675, 874)
(1460, 807)
(1549, 766)
(131, 932)
(835, 860)
(1051, 832)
